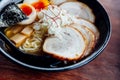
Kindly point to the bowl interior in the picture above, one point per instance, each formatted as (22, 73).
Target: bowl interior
(48, 63)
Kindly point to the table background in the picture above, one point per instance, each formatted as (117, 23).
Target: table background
(104, 67)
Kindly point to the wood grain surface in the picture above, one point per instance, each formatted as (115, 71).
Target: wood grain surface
(104, 67)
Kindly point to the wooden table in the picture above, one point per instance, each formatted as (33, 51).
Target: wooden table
(104, 67)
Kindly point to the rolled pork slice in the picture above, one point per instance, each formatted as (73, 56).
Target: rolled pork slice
(89, 35)
(71, 46)
(89, 25)
(79, 9)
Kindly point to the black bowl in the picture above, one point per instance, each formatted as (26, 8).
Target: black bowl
(47, 63)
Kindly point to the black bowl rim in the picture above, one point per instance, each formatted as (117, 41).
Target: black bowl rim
(79, 64)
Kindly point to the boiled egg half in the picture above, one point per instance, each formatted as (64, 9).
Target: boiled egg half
(29, 11)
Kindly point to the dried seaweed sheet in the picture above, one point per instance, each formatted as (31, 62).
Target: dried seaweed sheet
(11, 15)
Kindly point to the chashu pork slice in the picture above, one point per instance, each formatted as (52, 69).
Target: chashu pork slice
(70, 45)
(89, 35)
(79, 9)
(88, 25)
(92, 41)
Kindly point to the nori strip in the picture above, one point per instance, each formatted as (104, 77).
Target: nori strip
(11, 15)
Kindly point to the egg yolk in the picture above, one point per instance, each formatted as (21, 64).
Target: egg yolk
(26, 9)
